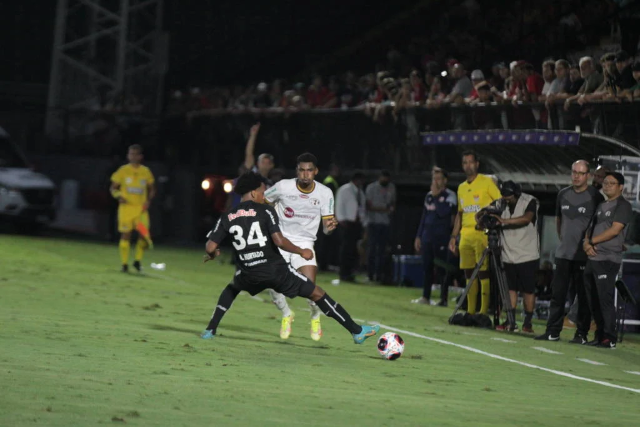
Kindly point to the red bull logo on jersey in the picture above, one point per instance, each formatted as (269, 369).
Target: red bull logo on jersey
(289, 213)
(241, 213)
(304, 196)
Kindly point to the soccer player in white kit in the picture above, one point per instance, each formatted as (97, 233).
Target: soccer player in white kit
(301, 203)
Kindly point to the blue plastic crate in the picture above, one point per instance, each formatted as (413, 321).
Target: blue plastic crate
(407, 270)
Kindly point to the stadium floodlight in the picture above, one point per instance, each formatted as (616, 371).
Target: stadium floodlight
(228, 186)
(206, 184)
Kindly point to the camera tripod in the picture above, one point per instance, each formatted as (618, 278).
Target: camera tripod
(493, 252)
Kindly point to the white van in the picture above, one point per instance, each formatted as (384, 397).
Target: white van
(25, 195)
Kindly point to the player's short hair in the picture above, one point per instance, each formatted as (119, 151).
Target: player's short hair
(266, 156)
(136, 147)
(471, 153)
(385, 173)
(307, 158)
(444, 173)
(357, 176)
(248, 182)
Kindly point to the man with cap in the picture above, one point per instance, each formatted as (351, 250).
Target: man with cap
(625, 78)
(477, 78)
(520, 248)
(604, 245)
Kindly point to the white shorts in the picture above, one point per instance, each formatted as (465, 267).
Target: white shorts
(295, 260)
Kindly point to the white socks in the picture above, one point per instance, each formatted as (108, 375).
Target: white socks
(315, 310)
(280, 302)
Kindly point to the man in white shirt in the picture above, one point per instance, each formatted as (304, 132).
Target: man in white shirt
(350, 214)
(300, 204)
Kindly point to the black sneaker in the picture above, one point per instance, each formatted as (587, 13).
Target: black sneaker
(594, 343)
(137, 266)
(578, 339)
(607, 343)
(443, 304)
(125, 268)
(547, 336)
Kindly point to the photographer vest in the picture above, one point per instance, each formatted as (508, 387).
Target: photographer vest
(520, 244)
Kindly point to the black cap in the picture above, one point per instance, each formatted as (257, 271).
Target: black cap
(622, 56)
(510, 188)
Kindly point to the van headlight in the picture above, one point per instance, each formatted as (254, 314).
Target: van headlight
(8, 192)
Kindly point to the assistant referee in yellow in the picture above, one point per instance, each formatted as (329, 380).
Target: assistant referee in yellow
(133, 185)
(475, 193)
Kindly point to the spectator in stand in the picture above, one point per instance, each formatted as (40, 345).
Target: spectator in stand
(549, 76)
(484, 118)
(533, 84)
(497, 78)
(348, 93)
(608, 90)
(436, 95)
(625, 74)
(592, 80)
(276, 96)
(318, 94)
(463, 86)
(560, 90)
(575, 76)
(432, 73)
(261, 99)
(477, 77)
(634, 91)
(418, 91)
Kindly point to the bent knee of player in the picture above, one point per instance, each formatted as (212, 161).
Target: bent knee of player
(317, 293)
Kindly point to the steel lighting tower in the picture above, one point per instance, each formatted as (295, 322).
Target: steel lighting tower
(105, 49)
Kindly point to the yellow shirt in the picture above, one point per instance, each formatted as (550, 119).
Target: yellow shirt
(133, 183)
(474, 196)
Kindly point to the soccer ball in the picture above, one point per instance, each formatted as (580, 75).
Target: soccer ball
(390, 346)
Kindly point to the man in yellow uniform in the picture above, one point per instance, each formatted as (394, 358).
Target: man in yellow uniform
(475, 193)
(133, 186)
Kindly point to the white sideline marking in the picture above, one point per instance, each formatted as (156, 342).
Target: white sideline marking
(591, 362)
(502, 340)
(546, 350)
(506, 359)
(633, 372)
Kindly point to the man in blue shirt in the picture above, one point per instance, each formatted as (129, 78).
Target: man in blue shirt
(432, 238)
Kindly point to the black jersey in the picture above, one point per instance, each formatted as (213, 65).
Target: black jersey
(251, 225)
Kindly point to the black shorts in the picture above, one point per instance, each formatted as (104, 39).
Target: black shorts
(522, 277)
(284, 279)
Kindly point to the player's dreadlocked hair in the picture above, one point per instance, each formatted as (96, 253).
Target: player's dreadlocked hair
(307, 158)
(247, 183)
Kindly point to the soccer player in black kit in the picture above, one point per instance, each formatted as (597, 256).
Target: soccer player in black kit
(256, 235)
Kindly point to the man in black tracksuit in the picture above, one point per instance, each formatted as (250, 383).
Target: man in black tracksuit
(604, 245)
(574, 208)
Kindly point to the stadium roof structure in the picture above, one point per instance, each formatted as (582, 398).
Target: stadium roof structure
(538, 159)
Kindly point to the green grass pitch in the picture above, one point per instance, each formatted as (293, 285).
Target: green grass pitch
(82, 344)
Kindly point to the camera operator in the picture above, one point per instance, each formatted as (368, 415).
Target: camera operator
(604, 245)
(475, 193)
(520, 247)
(575, 206)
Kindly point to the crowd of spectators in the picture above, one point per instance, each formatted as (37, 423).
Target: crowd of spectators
(414, 79)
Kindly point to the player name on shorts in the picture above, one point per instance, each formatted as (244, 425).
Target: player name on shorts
(241, 213)
(251, 255)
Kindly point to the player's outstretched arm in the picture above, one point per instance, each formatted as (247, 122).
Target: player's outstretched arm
(211, 250)
(286, 245)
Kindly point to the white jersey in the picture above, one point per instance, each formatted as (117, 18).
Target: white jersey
(300, 211)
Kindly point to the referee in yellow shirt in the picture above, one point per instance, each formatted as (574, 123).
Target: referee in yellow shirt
(474, 194)
(133, 185)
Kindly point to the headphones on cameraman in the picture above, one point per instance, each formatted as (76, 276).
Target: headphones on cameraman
(510, 188)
